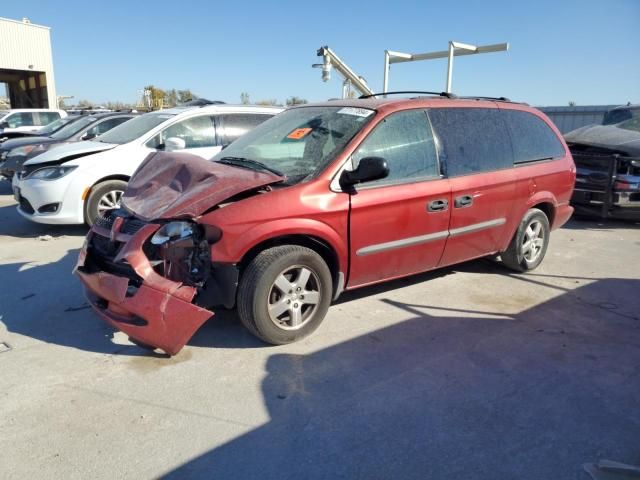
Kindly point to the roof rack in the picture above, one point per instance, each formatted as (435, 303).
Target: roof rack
(404, 92)
(201, 102)
(481, 97)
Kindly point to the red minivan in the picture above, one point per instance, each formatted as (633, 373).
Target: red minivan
(320, 199)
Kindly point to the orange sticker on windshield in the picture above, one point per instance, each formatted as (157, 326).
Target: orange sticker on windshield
(298, 133)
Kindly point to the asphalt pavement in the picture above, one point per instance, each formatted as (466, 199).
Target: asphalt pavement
(466, 372)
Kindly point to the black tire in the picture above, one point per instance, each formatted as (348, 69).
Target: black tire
(517, 256)
(258, 290)
(98, 191)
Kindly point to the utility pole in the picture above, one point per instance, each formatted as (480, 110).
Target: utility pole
(351, 79)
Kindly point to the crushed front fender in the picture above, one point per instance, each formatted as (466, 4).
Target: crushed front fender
(157, 311)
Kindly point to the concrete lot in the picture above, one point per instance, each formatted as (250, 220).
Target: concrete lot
(468, 372)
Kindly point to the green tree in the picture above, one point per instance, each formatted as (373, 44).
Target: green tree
(244, 98)
(271, 101)
(572, 103)
(296, 101)
(185, 96)
(171, 98)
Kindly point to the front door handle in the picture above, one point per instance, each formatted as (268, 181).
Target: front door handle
(438, 205)
(463, 201)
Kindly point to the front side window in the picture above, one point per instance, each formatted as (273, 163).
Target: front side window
(105, 126)
(234, 125)
(20, 119)
(197, 132)
(298, 142)
(531, 137)
(472, 140)
(406, 142)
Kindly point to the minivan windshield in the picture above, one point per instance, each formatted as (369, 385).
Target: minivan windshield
(297, 142)
(134, 128)
(72, 128)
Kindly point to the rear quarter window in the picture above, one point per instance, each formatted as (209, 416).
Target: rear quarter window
(472, 140)
(531, 137)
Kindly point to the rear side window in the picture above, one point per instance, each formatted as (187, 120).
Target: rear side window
(472, 140)
(234, 125)
(45, 118)
(531, 137)
(406, 142)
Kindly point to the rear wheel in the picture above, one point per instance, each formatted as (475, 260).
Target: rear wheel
(104, 196)
(284, 294)
(529, 245)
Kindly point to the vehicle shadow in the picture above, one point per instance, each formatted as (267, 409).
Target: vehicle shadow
(46, 303)
(528, 395)
(13, 225)
(579, 222)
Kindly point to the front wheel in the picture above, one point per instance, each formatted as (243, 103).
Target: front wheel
(284, 294)
(529, 245)
(104, 196)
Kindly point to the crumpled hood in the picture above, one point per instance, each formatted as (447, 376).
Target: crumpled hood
(73, 150)
(174, 185)
(607, 136)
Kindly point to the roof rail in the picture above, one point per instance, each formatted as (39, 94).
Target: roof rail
(402, 92)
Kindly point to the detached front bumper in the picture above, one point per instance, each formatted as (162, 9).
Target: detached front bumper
(150, 308)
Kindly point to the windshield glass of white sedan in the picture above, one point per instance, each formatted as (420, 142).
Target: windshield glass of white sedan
(134, 128)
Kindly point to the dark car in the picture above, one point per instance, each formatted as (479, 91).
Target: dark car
(324, 198)
(13, 153)
(607, 159)
(42, 132)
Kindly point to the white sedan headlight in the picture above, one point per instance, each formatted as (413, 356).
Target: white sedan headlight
(172, 231)
(51, 173)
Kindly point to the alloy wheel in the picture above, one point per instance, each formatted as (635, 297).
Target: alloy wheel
(533, 241)
(294, 297)
(109, 201)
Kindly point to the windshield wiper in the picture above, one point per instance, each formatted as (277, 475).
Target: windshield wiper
(243, 162)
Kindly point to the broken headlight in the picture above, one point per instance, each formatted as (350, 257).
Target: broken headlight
(172, 231)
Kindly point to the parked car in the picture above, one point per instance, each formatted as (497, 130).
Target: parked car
(42, 131)
(324, 198)
(75, 183)
(27, 119)
(607, 158)
(14, 153)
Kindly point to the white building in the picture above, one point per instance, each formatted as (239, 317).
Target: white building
(26, 64)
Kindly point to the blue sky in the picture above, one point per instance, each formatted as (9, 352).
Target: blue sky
(585, 51)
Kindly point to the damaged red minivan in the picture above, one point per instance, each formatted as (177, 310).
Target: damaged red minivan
(320, 199)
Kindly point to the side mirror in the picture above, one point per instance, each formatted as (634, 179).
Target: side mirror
(369, 169)
(174, 143)
(88, 136)
(4, 124)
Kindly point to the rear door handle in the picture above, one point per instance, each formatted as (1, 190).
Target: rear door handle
(438, 205)
(463, 201)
